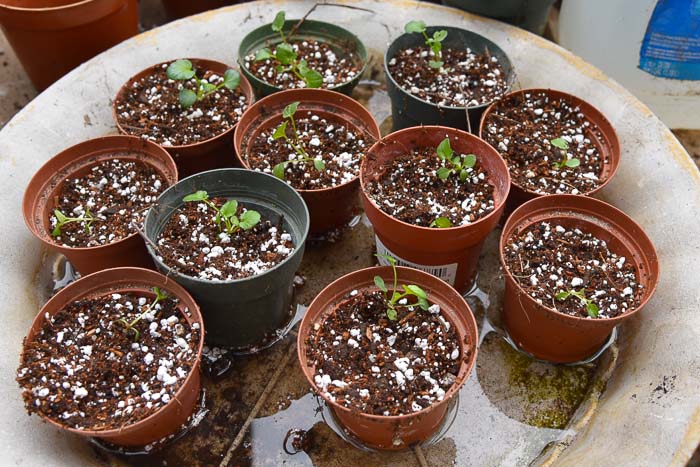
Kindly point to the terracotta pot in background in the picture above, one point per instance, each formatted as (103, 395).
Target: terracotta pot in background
(175, 9)
(38, 203)
(544, 332)
(607, 143)
(392, 432)
(328, 207)
(174, 414)
(455, 249)
(213, 153)
(51, 37)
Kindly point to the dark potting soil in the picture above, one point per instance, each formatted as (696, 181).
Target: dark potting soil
(340, 145)
(336, 70)
(192, 244)
(547, 259)
(151, 109)
(521, 128)
(366, 362)
(411, 191)
(467, 79)
(116, 193)
(87, 371)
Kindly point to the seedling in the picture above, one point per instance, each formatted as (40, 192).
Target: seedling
(295, 143)
(288, 59)
(226, 217)
(182, 70)
(441, 223)
(408, 290)
(454, 165)
(565, 161)
(62, 219)
(435, 42)
(130, 326)
(591, 307)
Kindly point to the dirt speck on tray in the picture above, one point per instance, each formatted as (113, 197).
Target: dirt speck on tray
(522, 127)
(548, 260)
(86, 370)
(467, 78)
(366, 362)
(150, 108)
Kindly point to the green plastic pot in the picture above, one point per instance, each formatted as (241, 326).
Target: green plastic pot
(527, 14)
(337, 38)
(241, 314)
(408, 110)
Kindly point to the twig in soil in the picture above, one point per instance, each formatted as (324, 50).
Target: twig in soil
(316, 5)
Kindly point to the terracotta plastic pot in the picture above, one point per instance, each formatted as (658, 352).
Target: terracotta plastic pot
(175, 413)
(38, 203)
(244, 313)
(51, 37)
(213, 153)
(181, 8)
(337, 38)
(607, 142)
(451, 253)
(328, 207)
(408, 110)
(392, 432)
(544, 332)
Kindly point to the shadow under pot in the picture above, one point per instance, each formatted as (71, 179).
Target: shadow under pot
(116, 325)
(575, 268)
(85, 202)
(323, 164)
(576, 150)
(385, 405)
(336, 54)
(234, 239)
(197, 133)
(432, 209)
(51, 37)
(474, 74)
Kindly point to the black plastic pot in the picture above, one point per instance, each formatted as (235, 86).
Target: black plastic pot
(408, 110)
(243, 314)
(527, 14)
(337, 38)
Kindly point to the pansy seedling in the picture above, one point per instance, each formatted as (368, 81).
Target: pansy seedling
(461, 164)
(227, 218)
(182, 70)
(408, 290)
(130, 325)
(434, 43)
(591, 308)
(62, 219)
(295, 142)
(563, 146)
(441, 223)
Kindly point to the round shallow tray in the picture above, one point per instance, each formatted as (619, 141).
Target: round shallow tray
(638, 404)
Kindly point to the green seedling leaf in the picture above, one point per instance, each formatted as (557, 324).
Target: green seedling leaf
(285, 54)
(187, 98)
(208, 87)
(439, 36)
(562, 295)
(389, 258)
(469, 161)
(180, 70)
(60, 217)
(319, 164)
(592, 309)
(457, 162)
(423, 303)
(415, 26)
(290, 110)
(444, 149)
(249, 219)
(280, 131)
(443, 173)
(417, 291)
(278, 170)
(263, 54)
(391, 314)
(463, 174)
(313, 79)
(441, 223)
(229, 208)
(560, 143)
(200, 195)
(231, 79)
(278, 22)
(379, 282)
(572, 163)
(436, 64)
(160, 295)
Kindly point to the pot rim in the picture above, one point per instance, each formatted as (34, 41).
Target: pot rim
(614, 142)
(449, 394)
(127, 272)
(177, 274)
(554, 210)
(75, 4)
(30, 197)
(244, 86)
(496, 209)
(278, 95)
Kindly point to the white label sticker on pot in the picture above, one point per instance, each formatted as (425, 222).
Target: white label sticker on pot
(446, 272)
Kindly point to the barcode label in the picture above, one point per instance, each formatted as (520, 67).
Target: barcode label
(446, 272)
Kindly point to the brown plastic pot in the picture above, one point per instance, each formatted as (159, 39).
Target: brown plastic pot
(38, 203)
(544, 332)
(607, 142)
(181, 8)
(328, 207)
(213, 153)
(51, 37)
(392, 432)
(175, 413)
(455, 251)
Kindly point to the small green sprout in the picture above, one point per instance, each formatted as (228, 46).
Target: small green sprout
(441, 223)
(62, 219)
(409, 290)
(182, 70)
(591, 307)
(435, 42)
(288, 59)
(295, 143)
(565, 161)
(226, 217)
(457, 164)
(130, 326)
